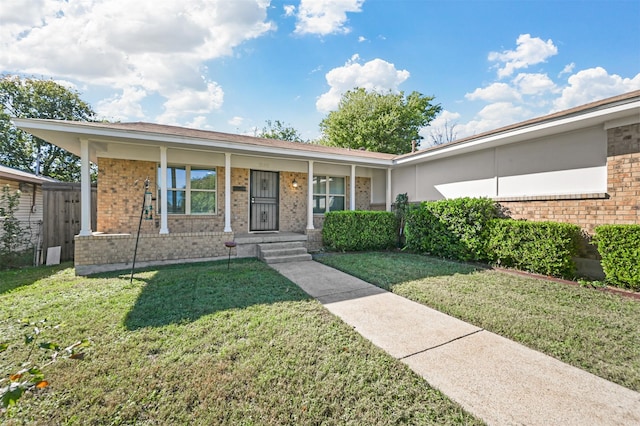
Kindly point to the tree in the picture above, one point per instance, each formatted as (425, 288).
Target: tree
(444, 134)
(278, 130)
(31, 98)
(378, 122)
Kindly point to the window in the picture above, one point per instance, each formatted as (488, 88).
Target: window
(328, 194)
(190, 190)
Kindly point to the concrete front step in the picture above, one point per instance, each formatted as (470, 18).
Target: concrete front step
(292, 251)
(282, 259)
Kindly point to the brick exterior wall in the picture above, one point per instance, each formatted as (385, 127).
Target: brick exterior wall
(120, 200)
(92, 253)
(120, 193)
(293, 202)
(621, 203)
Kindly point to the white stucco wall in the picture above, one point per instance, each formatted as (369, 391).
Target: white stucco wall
(569, 163)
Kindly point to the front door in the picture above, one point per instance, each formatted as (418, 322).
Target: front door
(263, 199)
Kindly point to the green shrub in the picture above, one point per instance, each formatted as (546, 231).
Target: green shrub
(453, 229)
(359, 230)
(619, 246)
(541, 247)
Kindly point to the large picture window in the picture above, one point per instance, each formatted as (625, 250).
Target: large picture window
(328, 194)
(190, 190)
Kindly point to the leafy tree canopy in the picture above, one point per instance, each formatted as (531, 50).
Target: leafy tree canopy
(32, 98)
(378, 122)
(278, 130)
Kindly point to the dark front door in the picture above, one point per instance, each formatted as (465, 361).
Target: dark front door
(263, 209)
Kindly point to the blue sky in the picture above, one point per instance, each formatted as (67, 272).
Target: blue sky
(231, 65)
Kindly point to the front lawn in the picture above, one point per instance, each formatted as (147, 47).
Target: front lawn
(592, 330)
(200, 344)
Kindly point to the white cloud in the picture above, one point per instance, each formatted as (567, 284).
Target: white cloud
(530, 51)
(199, 122)
(236, 121)
(123, 106)
(446, 122)
(362, 39)
(325, 17)
(289, 10)
(493, 116)
(534, 84)
(493, 93)
(158, 48)
(568, 69)
(188, 101)
(377, 75)
(593, 84)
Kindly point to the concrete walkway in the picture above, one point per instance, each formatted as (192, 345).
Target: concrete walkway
(498, 380)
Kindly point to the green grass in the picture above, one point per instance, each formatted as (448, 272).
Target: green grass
(590, 329)
(197, 344)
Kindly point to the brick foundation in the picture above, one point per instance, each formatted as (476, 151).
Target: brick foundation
(102, 252)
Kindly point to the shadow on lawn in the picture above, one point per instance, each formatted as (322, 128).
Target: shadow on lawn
(11, 279)
(184, 293)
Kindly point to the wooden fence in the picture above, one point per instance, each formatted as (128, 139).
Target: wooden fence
(62, 217)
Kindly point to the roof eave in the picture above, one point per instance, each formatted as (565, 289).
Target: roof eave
(545, 128)
(77, 131)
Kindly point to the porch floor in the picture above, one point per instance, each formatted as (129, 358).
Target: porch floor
(269, 237)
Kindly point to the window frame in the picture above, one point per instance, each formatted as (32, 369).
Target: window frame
(328, 194)
(188, 190)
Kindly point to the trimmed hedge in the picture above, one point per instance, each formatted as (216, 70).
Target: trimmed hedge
(541, 247)
(619, 246)
(453, 229)
(360, 230)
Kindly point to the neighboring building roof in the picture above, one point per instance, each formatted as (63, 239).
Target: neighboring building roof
(20, 176)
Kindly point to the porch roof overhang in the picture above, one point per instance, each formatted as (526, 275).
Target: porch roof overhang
(69, 134)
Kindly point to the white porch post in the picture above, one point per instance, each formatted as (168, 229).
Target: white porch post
(85, 189)
(164, 221)
(310, 196)
(352, 188)
(227, 192)
(389, 190)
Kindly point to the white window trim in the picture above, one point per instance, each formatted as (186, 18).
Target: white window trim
(328, 194)
(188, 190)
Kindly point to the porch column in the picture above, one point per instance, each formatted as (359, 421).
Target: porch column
(164, 214)
(85, 189)
(227, 192)
(389, 190)
(310, 196)
(352, 189)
